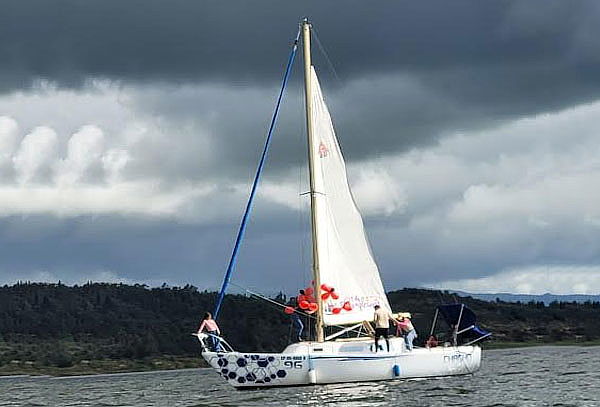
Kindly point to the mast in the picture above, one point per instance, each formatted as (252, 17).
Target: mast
(306, 26)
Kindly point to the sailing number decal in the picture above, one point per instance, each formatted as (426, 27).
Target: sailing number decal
(293, 362)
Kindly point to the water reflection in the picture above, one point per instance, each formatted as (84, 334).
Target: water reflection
(358, 394)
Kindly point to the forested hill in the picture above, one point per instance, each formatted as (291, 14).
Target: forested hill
(58, 325)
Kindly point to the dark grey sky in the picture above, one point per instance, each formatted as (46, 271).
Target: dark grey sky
(185, 40)
(441, 66)
(456, 118)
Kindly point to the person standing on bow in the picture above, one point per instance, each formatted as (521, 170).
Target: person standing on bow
(213, 331)
(406, 328)
(382, 326)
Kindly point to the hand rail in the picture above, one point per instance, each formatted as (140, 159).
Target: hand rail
(202, 337)
(343, 331)
(465, 330)
(478, 339)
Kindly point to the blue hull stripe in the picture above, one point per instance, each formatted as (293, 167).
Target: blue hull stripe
(352, 358)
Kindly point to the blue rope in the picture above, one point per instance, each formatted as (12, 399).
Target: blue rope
(242, 230)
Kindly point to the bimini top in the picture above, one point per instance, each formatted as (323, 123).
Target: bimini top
(451, 314)
(466, 321)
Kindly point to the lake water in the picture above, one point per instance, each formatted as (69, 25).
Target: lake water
(545, 376)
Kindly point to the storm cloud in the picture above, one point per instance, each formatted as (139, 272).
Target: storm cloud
(409, 71)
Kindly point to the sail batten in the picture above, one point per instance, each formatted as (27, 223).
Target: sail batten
(345, 259)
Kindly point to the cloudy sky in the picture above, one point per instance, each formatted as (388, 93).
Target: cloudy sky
(130, 131)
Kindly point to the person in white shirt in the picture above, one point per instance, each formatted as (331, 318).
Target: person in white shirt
(382, 326)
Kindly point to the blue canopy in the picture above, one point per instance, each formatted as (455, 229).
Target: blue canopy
(465, 318)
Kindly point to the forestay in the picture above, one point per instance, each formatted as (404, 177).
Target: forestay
(345, 259)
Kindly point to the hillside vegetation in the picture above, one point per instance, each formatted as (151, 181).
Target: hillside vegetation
(113, 327)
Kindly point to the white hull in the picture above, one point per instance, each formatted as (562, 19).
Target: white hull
(309, 363)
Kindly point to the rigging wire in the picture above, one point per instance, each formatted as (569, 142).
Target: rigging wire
(269, 300)
(326, 55)
(242, 229)
(305, 260)
(280, 305)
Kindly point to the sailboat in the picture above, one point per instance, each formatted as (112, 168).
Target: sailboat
(342, 263)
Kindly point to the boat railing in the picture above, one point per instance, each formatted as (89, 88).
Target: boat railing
(465, 330)
(477, 339)
(343, 331)
(204, 338)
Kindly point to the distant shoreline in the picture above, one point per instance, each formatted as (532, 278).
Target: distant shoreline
(170, 363)
(511, 345)
(104, 366)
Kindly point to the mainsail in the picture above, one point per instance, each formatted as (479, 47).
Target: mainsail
(345, 260)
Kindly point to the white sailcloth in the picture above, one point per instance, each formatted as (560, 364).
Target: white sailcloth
(345, 260)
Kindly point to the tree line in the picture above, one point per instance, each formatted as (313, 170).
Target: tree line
(59, 325)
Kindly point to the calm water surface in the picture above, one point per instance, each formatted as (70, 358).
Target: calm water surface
(547, 376)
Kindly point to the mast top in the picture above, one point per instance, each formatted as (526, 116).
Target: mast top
(306, 23)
